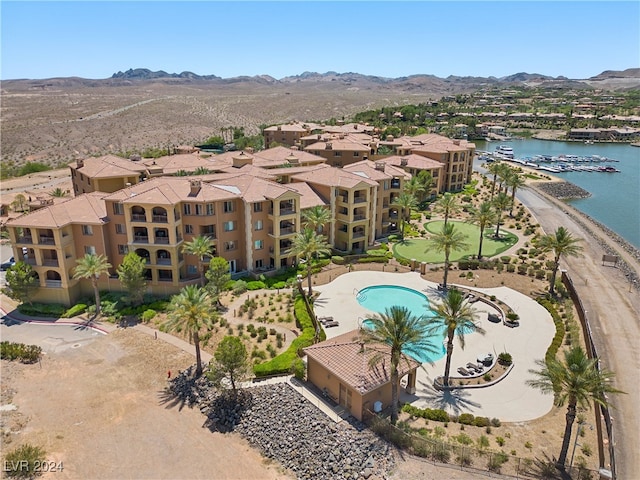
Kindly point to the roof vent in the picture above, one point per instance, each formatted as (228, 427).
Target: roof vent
(195, 185)
(404, 162)
(328, 146)
(380, 166)
(242, 159)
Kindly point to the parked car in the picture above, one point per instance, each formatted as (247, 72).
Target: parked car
(8, 264)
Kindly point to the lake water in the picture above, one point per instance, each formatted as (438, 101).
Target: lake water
(615, 197)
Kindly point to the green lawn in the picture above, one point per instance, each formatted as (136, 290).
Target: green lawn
(421, 249)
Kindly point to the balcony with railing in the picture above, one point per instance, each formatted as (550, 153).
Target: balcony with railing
(395, 183)
(138, 217)
(53, 283)
(287, 230)
(359, 199)
(50, 262)
(47, 240)
(160, 219)
(25, 239)
(141, 239)
(358, 234)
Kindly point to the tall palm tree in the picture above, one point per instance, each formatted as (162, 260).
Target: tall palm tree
(576, 381)
(307, 244)
(201, 246)
(503, 174)
(514, 181)
(414, 187)
(427, 181)
(482, 216)
(454, 317)
(316, 217)
(561, 242)
(500, 203)
(92, 266)
(405, 201)
(401, 331)
(191, 310)
(494, 168)
(447, 205)
(447, 240)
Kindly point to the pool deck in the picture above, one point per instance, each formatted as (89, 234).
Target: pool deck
(510, 400)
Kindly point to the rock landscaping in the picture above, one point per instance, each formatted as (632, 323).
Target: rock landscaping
(287, 428)
(563, 190)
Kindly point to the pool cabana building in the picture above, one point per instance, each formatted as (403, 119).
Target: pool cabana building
(341, 368)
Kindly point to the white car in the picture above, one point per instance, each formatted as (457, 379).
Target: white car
(485, 358)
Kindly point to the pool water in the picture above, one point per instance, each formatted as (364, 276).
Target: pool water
(377, 298)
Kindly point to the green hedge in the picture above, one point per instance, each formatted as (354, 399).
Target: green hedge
(373, 260)
(76, 310)
(560, 330)
(338, 260)
(54, 310)
(286, 361)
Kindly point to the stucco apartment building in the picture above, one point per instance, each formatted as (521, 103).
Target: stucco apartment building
(249, 203)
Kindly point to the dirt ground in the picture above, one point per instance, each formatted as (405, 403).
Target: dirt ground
(100, 410)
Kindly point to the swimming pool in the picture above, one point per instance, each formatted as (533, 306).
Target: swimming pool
(379, 297)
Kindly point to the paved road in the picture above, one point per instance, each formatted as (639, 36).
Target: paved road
(614, 314)
(52, 338)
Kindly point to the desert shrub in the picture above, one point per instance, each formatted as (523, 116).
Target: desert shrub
(481, 422)
(560, 330)
(20, 351)
(435, 414)
(463, 439)
(474, 264)
(483, 441)
(511, 268)
(76, 310)
(522, 269)
(463, 264)
(441, 454)
(239, 287)
(464, 459)
(505, 358)
(495, 422)
(148, 315)
(466, 419)
(500, 441)
(505, 259)
(25, 461)
(496, 460)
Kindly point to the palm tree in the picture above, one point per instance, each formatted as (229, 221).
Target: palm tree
(500, 203)
(448, 240)
(200, 246)
(576, 381)
(482, 216)
(316, 217)
(561, 242)
(191, 310)
(306, 244)
(427, 181)
(58, 192)
(405, 201)
(514, 180)
(495, 168)
(447, 205)
(401, 331)
(414, 187)
(454, 316)
(92, 266)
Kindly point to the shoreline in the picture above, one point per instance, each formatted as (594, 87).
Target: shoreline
(606, 238)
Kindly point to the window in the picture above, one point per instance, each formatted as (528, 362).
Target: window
(230, 245)
(228, 207)
(210, 209)
(258, 225)
(337, 154)
(259, 264)
(123, 249)
(199, 209)
(229, 226)
(356, 154)
(257, 207)
(120, 228)
(90, 249)
(87, 230)
(258, 244)
(118, 209)
(192, 269)
(186, 208)
(188, 229)
(385, 185)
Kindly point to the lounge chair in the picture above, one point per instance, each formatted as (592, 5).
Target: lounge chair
(332, 323)
(325, 320)
(474, 367)
(463, 371)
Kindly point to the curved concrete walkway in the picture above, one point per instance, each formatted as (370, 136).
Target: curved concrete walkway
(511, 400)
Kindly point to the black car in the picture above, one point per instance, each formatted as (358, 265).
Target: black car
(8, 264)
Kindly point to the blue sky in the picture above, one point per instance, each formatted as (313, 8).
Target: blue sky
(390, 39)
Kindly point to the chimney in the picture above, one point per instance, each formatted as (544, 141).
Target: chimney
(403, 162)
(389, 138)
(456, 142)
(241, 160)
(196, 185)
(380, 166)
(328, 146)
(80, 163)
(361, 346)
(292, 159)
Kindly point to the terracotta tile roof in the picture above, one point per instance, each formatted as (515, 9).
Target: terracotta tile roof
(254, 189)
(333, 177)
(348, 143)
(290, 127)
(368, 169)
(88, 208)
(170, 191)
(345, 358)
(281, 155)
(308, 197)
(108, 166)
(413, 161)
(173, 163)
